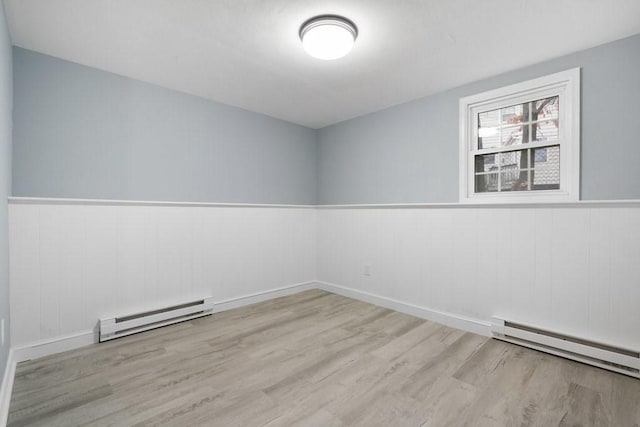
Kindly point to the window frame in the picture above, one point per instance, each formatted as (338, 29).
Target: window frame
(565, 85)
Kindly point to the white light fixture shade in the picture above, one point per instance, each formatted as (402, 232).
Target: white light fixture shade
(328, 37)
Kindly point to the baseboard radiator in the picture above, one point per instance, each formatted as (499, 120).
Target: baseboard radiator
(116, 327)
(605, 356)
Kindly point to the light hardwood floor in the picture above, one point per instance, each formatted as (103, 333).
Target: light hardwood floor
(316, 359)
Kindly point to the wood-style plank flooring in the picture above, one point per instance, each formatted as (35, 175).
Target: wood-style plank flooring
(316, 359)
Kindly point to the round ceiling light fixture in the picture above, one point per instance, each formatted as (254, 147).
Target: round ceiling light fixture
(328, 36)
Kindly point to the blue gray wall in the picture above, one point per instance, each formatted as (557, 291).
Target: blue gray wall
(6, 100)
(84, 133)
(409, 153)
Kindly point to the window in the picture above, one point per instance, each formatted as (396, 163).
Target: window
(521, 143)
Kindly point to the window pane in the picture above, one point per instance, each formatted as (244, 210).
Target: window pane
(515, 114)
(545, 131)
(517, 124)
(488, 138)
(546, 173)
(488, 129)
(546, 109)
(486, 169)
(513, 135)
(487, 163)
(489, 119)
(487, 183)
(514, 175)
(540, 155)
(509, 171)
(512, 160)
(514, 179)
(521, 123)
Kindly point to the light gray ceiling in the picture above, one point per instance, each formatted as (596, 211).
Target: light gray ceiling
(247, 53)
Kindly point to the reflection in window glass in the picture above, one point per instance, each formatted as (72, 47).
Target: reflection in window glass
(517, 124)
(518, 170)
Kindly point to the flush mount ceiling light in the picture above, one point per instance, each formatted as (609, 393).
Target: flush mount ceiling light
(328, 36)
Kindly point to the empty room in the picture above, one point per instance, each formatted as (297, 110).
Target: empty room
(320, 213)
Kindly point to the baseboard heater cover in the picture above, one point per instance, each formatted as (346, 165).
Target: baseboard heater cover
(621, 360)
(116, 327)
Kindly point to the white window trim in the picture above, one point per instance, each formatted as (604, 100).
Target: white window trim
(565, 84)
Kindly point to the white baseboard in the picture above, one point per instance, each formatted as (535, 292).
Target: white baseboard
(464, 323)
(54, 345)
(262, 296)
(7, 386)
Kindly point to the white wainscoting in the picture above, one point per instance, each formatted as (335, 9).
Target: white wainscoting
(573, 269)
(570, 268)
(72, 263)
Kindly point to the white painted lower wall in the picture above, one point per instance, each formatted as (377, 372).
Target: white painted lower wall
(574, 270)
(73, 263)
